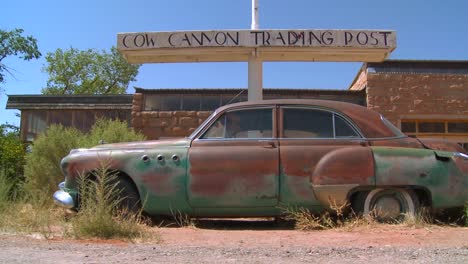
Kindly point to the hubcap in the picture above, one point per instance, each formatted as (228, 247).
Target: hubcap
(388, 207)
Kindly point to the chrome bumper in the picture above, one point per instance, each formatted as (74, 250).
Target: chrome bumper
(62, 198)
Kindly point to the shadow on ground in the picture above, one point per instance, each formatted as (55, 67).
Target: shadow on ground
(228, 223)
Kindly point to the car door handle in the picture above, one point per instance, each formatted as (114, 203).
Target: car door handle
(268, 144)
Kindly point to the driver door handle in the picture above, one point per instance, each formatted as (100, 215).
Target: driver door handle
(268, 143)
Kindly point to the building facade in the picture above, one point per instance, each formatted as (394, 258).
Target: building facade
(162, 113)
(423, 98)
(80, 111)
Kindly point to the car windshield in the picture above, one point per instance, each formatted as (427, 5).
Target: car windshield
(194, 133)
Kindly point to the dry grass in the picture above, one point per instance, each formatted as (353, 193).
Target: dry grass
(183, 220)
(100, 215)
(28, 216)
(341, 218)
(465, 215)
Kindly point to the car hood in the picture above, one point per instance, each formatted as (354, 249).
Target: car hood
(179, 142)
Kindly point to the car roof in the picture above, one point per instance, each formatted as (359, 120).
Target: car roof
(369, 122)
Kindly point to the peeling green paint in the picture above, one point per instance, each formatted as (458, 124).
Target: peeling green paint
(420, 168)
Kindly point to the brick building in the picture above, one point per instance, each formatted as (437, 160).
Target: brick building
(423, 98)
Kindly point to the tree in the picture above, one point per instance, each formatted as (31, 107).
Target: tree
(12, 43)
(89, 71)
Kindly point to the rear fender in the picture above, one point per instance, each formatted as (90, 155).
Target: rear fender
(339, 172)
(435, 171)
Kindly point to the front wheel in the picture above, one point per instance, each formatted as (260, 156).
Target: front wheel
(128, 196)
(390, 204)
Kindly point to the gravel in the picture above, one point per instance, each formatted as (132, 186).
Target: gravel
(194, 245)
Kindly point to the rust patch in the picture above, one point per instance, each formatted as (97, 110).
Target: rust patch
(223, 169)
(352, 165)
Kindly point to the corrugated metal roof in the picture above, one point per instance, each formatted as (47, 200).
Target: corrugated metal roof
(237, 90)
(419, 66)
(123, 101)
(414, 67)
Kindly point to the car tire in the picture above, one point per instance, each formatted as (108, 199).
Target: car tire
(390, 205)
(128, 196)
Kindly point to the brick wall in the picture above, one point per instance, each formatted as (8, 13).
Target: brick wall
(398, 95)
(360, 82)
(157, 124)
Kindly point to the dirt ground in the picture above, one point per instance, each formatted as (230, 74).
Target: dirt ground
(225, 241)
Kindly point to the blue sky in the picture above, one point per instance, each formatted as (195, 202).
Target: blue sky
(426, 29)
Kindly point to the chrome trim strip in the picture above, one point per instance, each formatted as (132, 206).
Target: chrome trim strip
(232, 139)
(339, 138)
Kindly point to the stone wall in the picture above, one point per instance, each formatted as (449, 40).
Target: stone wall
(418, 95)
(161, 124)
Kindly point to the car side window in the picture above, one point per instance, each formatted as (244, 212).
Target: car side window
(343, 129)
(251, 123)
(315, 123)
(307, 123)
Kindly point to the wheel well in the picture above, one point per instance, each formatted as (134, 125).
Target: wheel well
(423, 195)
(120, 174)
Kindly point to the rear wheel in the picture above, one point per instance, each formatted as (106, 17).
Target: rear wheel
(390, 204)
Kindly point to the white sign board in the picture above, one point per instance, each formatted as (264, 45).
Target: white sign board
(276, 45)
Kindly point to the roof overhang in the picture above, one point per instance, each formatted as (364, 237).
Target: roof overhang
(84, 102)
(268, 45)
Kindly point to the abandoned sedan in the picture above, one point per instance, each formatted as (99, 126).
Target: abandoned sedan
(254, 158)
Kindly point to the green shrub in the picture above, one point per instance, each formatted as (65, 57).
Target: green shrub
(5, 188)
(12, 152)
(100, 215)
(42, 170)
(111, 131)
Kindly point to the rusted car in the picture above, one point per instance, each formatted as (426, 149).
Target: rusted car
(253, 158)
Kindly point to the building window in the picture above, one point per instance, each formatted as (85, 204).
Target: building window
(453, 130)
(37, 121)
(184, 102)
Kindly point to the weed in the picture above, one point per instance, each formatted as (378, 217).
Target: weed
(465, 215)
(31, 216)
(5, 188)
(100, 214)
(182, 220)
(305, 220)
(422, 218)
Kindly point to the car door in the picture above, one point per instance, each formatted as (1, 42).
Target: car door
(235, 161)
(306, 135)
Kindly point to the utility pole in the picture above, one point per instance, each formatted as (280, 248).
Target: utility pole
(255, 64)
